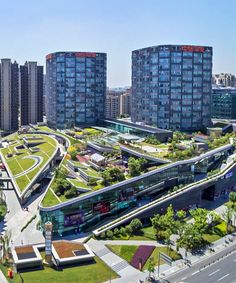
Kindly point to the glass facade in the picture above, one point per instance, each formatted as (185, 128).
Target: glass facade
(224, 103)
(171, 86)
(83, 214)
(75, 88)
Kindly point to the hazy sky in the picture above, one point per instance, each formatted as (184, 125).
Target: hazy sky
(30, 29)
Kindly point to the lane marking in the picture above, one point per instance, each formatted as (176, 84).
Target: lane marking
(183, 278)
(214, 272)
(221, 278)
(234, 259)
(195, 272)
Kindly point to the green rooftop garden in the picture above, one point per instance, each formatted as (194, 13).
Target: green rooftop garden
(78, 184)
(24, 164)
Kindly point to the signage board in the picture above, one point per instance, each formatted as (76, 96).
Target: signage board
(102, 207)
(74, 219)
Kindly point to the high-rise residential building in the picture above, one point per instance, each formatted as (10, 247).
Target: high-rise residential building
(125, 103)
(113, 104)
(75, 88)
(171, 86)
(224, 103)
(224, 79)
(31, 93)
(9, 95)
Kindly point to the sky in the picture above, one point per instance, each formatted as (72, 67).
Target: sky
(31, 29)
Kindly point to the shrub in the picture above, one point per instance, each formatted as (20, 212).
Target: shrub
(103, 235)
(136, 225)
(71, 193)
(92, 182)
(116, 232)
(220, 229)
(122, 231)
(109, 234)
(128, 229)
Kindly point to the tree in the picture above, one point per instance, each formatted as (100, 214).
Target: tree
(162, 223)
(5, 240)
(142, 163)
(73, 155)
(190, 238)
(232, 198)
(128, 229)
(200, 219)
(106, 178)
(111, 175)
(109, 234)
(213, 218)
(151, 266)
(134, 167)
(103, 235)
(181, 214)
(227, 216)
(122, 231)
(136, 225)
(116, 232)
(71, 193)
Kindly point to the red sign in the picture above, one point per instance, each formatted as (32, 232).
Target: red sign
(101, 206)
(189, 48)
(85, 54)
(49, 56)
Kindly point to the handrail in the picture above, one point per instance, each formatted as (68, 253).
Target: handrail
(162, 199)
(134, 179)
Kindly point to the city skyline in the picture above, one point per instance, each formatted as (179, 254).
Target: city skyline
(117, 29)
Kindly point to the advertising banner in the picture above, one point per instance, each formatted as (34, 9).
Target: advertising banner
(74, 219)
(102, 207)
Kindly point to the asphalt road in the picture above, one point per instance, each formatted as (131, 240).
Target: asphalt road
(211, 270)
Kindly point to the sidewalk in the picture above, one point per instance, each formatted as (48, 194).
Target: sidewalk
(128, 274)
(2, 278)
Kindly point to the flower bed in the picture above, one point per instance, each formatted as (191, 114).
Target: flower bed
(141, 256)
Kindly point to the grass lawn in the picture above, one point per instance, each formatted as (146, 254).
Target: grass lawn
(155, 254)
(126, 252)
(78, 184)
(18, 164)
(49, 199)
(45, 129)
(94, 272)
(146, 234)
(210, 238)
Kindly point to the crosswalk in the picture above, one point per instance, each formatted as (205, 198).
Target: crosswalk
(117, 267)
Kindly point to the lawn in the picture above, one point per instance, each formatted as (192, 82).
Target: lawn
(78, 184)
(18, 164)
(125, 252)
(94, 272)
(155, 255)
(146, 234)
(210, 238)
(49, 199)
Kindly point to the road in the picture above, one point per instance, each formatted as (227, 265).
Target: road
(222, 270)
